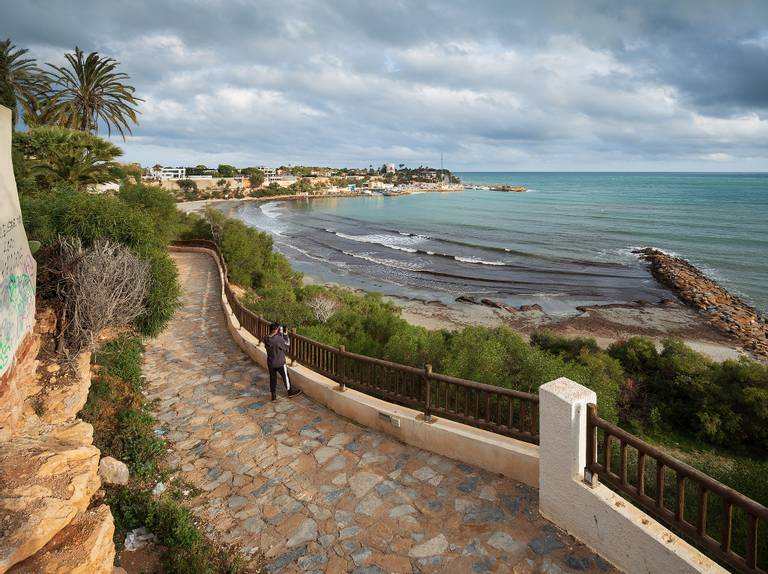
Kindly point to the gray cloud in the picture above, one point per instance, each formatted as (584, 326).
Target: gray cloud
(494, 84)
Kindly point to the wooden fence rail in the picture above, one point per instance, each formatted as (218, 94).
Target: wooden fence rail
(724, 523)
(497, 409)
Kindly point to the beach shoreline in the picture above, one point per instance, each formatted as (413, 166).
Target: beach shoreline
(604, 323)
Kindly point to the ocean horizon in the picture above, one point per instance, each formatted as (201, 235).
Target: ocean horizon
(568, 241)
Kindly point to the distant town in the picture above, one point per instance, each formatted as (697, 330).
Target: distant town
(229, 182)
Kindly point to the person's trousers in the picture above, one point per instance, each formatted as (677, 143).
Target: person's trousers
(283, 372)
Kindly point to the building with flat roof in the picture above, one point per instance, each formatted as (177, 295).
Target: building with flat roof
(169, 173)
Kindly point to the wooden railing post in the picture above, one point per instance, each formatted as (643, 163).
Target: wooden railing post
(590, 477)
(428, 388)
(340, 368)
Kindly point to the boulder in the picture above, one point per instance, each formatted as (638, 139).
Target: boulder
(60, 402)
(113, 471)
(83, 547)
(44, 484)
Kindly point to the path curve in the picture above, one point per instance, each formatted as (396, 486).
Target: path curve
(315, 492)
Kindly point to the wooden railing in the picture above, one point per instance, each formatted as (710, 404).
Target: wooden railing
(722, 522)
(497, 409)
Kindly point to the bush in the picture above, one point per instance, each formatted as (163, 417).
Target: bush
(324, 334)
(121, 358)
(251, 262)
(91, 217)
(569, 348)
(163, 297)
(159, 204)
(103, 286)
(279, 304)
(417, 346)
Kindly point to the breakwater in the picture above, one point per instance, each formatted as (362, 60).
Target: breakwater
(727, 312)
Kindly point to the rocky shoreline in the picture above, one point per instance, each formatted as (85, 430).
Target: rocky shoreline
(726, 312)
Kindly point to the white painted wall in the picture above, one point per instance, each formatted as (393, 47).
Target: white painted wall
(17, 267)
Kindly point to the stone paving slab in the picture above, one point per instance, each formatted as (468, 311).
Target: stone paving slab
(315, 492)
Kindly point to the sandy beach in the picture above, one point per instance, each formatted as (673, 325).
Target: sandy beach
(605, 323)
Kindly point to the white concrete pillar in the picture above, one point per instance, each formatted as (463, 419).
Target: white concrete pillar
(601, 519)
(563, 439)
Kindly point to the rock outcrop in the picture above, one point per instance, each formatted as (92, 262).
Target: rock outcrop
(15, 386)
(49, 468)
(43, 486)
(726, 312)
(84, 546)
(65, 395)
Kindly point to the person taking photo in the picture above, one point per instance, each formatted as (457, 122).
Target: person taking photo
(277, 345)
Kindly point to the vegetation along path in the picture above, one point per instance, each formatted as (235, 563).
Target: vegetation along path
(313, 491)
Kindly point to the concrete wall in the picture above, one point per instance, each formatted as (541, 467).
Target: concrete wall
(17, 267)
(487, 450)
(601, 519)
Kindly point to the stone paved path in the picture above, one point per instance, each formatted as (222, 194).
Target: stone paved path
(315, 492)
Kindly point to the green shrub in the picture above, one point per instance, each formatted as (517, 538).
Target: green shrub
(324, 334)
(417, 346)
(279, 303)
(192, 226)
(173, 524)
(638, 356)
(159, 204)
(130, 506)
(163, 297)
(121, 358)
(136, 444)
(251, 262)
(569, 348)
(90, 217)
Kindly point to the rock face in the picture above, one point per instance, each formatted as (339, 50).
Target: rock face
(44, 484)
(84, 547)
(62, 401)
(113, 471)
(15, 385)
(726, 312)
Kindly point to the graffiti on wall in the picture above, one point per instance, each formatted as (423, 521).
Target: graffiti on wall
(17, 289)
(17, 266)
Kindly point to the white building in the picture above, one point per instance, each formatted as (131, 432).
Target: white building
(269, 172)
(169, 173)
(390, 168)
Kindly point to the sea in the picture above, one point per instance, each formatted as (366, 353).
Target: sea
(568, 241)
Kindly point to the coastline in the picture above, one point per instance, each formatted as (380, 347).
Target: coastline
(605, 323)
(228, 206)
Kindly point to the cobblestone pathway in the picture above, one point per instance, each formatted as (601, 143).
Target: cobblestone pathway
(315, 492)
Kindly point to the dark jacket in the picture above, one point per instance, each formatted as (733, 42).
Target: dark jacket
(277, 346)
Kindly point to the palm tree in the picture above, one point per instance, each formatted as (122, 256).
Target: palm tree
(21, 81)
(59, 155)
(90, 91)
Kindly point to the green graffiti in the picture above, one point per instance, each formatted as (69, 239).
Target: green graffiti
(5, 352)
(20, 290)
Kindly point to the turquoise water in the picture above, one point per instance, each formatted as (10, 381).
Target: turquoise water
(566, 241)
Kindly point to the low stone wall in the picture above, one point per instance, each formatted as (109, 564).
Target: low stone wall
(726, 312)
(487, 450)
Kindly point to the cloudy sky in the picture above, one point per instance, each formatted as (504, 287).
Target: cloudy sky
(493, 84)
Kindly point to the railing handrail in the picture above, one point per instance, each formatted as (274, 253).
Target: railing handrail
(675, 518)
(515, 413)
(679, 466)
